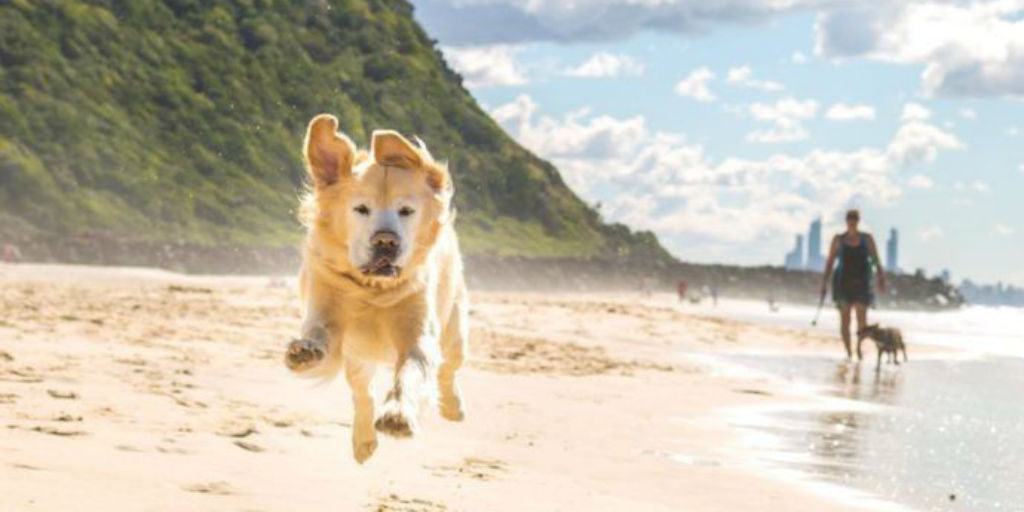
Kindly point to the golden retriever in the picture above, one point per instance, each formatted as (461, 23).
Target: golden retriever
(381, 280)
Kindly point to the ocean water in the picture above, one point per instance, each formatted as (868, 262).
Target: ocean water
(934, 434)
(978, 329)
(943, 432)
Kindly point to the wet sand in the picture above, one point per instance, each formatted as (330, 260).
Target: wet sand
(135, 389)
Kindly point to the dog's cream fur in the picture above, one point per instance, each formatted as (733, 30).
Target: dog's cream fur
(353, 319)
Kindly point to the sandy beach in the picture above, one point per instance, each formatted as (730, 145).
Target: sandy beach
(139, 389)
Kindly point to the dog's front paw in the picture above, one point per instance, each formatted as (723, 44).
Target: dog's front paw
(362, 450)
(394, 421)
(303, 354)
(451, 408)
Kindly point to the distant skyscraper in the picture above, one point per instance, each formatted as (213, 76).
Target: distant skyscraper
(892, 251)
(815, 261)
(795, 258)
(945, 275)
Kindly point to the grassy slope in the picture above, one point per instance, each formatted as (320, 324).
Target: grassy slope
(180, 120)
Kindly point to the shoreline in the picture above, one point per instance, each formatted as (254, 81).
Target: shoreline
(754, 423)
(587, 400)
(876, 435)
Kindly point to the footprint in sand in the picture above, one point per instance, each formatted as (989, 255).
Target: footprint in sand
(249, 447)
(472, 467)
(396, 503)
(63, 395)
(752, 392)
(219, 488)
(53, 431)
(237, 431)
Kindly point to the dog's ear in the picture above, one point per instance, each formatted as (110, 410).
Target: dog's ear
(328, 154)
(390, 148)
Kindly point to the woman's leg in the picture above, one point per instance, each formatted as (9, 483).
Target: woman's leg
(844, 328)
(862, 322)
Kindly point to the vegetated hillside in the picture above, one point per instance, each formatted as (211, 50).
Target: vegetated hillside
(179, 121)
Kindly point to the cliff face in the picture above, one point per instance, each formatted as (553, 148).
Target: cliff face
(179, 122)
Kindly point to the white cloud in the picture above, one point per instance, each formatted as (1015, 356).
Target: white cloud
(743, 77)
(604, 65)
(487, 66)
(931, 233)
(968, 113)
(980, 186)
(600, 137)
(798, 58)
(782, 132)
(788, 108)
(695, 85)
(1012, 131)
(854, 112)
(921, 181)
(786, 116)
(1003, 230)
(698, 204)
(966, 48)
(915, 112)
(917, 141)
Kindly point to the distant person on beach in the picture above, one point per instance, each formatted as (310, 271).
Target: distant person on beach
(681, 287)
(11, 253)
(851, 281)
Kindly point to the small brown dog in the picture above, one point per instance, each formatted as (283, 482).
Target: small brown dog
(888, 341)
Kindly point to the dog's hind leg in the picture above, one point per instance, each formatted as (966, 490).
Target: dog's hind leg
(399, 411)
(878, 363)
(364, 438)
(454, 348)
(415, 335)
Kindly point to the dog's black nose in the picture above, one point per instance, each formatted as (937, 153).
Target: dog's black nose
(384, 239)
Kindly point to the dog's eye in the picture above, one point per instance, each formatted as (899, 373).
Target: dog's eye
(405, 211)
(362, 210)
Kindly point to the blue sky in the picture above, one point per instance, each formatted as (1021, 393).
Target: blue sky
(726, 127)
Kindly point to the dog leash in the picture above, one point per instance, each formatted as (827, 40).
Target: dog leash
(821, 302)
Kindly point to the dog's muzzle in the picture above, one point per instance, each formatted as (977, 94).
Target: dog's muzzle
(385, 245)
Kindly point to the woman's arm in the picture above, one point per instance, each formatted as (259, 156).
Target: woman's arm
(878, 263)
(828, 263)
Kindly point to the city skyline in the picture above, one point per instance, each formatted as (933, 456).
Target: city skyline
(814, 259)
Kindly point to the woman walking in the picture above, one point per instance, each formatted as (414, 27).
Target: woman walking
(851, 282)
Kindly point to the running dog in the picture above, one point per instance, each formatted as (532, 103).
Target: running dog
(382, 279)
(887, 341)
